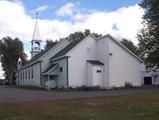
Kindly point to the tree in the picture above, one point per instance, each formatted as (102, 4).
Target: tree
(130, 46)
(50, 43)
(73, 36)
(149, 35)
(11, 50)
(81, 35)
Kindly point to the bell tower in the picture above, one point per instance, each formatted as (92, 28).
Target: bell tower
(36, 40)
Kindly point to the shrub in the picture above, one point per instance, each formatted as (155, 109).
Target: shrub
(128, 85)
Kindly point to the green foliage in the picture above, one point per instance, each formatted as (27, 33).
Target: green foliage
(128, 85)
(73, 36)
(50, 43)
(81, 35)
(149, 35)
(11, 50)
(130, 46)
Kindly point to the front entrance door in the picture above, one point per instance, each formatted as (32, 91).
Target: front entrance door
(97, 75)
(147, 80)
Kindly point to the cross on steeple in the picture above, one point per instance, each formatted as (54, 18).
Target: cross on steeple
(37, 15)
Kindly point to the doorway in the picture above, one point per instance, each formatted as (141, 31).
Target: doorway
(147, 80)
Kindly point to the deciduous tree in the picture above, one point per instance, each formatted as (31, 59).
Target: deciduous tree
(149, 35)
(11, 50)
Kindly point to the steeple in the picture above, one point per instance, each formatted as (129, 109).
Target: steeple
(36, 39)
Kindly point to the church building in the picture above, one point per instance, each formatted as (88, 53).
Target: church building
(92, 61)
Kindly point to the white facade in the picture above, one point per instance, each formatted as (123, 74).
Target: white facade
(77, 61)
(123, 67)
(102, 62)
(120, 65)
(32, 74)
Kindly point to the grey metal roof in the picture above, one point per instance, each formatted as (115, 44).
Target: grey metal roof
(95, 62)
(36, 57)
(66, 49)
(49, 68)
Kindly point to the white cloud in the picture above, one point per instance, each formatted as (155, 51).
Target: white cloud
(128, 21)
(15, 22)
(41, 8)
(28, 54)
(66, 10)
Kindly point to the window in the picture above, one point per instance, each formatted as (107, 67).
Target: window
(29, 73)
(26, 74)
(23, 75)
(32, 73)
(51, 77)
(99, 71)
(61, 69)
(19, 63)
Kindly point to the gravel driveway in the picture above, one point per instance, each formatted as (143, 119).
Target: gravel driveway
(17, 95)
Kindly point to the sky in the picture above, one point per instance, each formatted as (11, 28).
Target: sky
(59, 18)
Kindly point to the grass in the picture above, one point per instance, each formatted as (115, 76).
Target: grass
(133, 107)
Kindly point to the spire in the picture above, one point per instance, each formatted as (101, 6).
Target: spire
(36, 34)
(35, 43)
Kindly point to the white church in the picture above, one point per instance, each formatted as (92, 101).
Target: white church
(102, 62)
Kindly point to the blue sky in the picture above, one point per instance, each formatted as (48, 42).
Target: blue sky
(53, 5)
(82, 6)
(59, 18)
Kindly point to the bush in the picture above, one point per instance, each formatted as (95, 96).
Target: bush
(128, 85)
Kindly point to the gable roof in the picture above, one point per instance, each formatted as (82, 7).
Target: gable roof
(66, 49)
(69, 47)
(95, 62)
(122, 46)
(74, 43)
(40, 54)
(36, 57)
(51, 67)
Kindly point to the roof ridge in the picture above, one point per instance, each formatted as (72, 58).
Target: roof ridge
(121, 45)
(69, 47)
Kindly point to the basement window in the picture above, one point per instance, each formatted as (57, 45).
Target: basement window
(99, 71)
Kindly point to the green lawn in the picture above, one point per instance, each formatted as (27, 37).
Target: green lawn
(133, 107)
